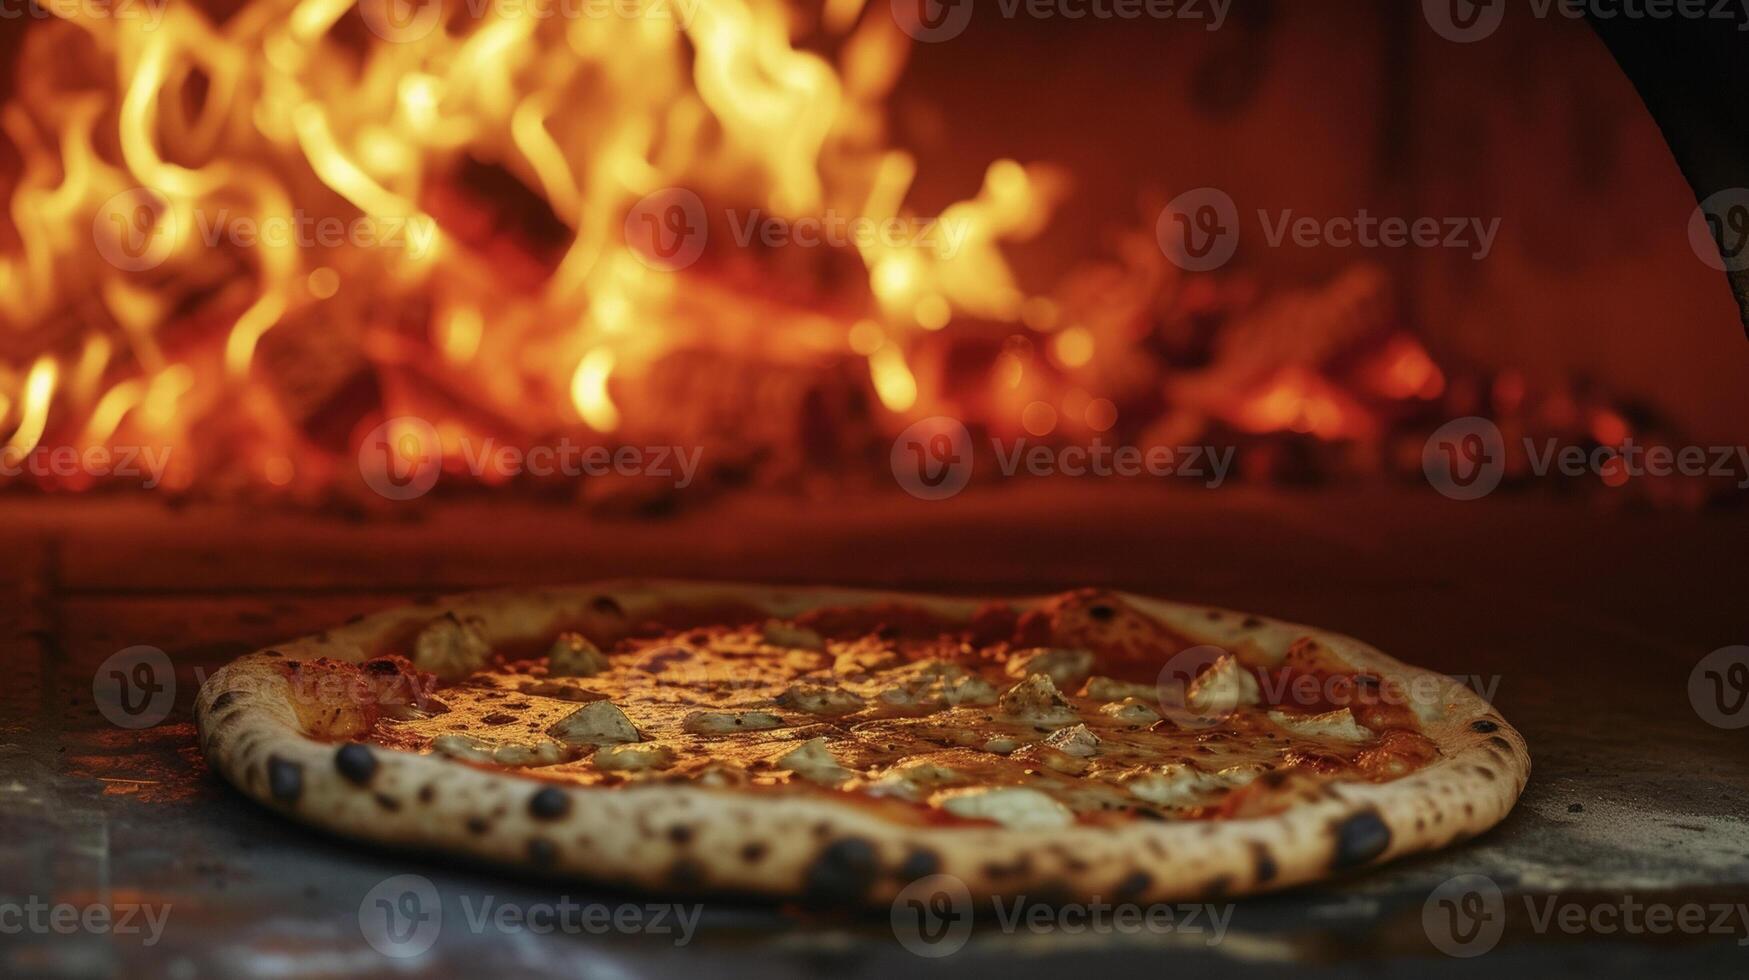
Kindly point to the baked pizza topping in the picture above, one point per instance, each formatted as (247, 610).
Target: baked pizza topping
(1035, 720)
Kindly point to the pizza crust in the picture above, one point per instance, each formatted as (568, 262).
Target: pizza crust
(693, 838)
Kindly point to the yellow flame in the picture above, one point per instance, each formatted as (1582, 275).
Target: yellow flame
(39, 387)
(276, 115)
(589, 390)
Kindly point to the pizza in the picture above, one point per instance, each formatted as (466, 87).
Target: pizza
(836, 745)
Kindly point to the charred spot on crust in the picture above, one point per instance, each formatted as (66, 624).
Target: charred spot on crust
(1262, 862)
(1102, 612)
(919, 863)
(753, 853)
(550, 803)
(388, 802)
(843, 871)
(224, 701)
(1134, 884)
(285, 779)
(1359, 839)
(542, 851)
(427, 793)
(381, 666)
(271, 653)
(607, 606)
(1500, 743)
(680, 834)
(1250, 622)
(478, 825)
(1484, 726)
(356, 763)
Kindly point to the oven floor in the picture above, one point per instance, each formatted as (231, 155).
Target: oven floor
(1584, 621)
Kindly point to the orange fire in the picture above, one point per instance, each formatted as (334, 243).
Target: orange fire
(220, 225)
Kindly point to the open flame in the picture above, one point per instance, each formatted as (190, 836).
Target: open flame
(246, 237)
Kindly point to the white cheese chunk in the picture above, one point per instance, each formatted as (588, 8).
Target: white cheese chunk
(636, 757)
(818, 699)
(1037, 701)
(1075, 740)
(596, 723)
(450, 648)
(544, 752)
(1106, 689)
(1066, 668)
(1131, 711)
(813, 761)
(1015, 807)
(1339, 725)
(572, 655)
(910, 782)
(1175, 784)
(1223, 687)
